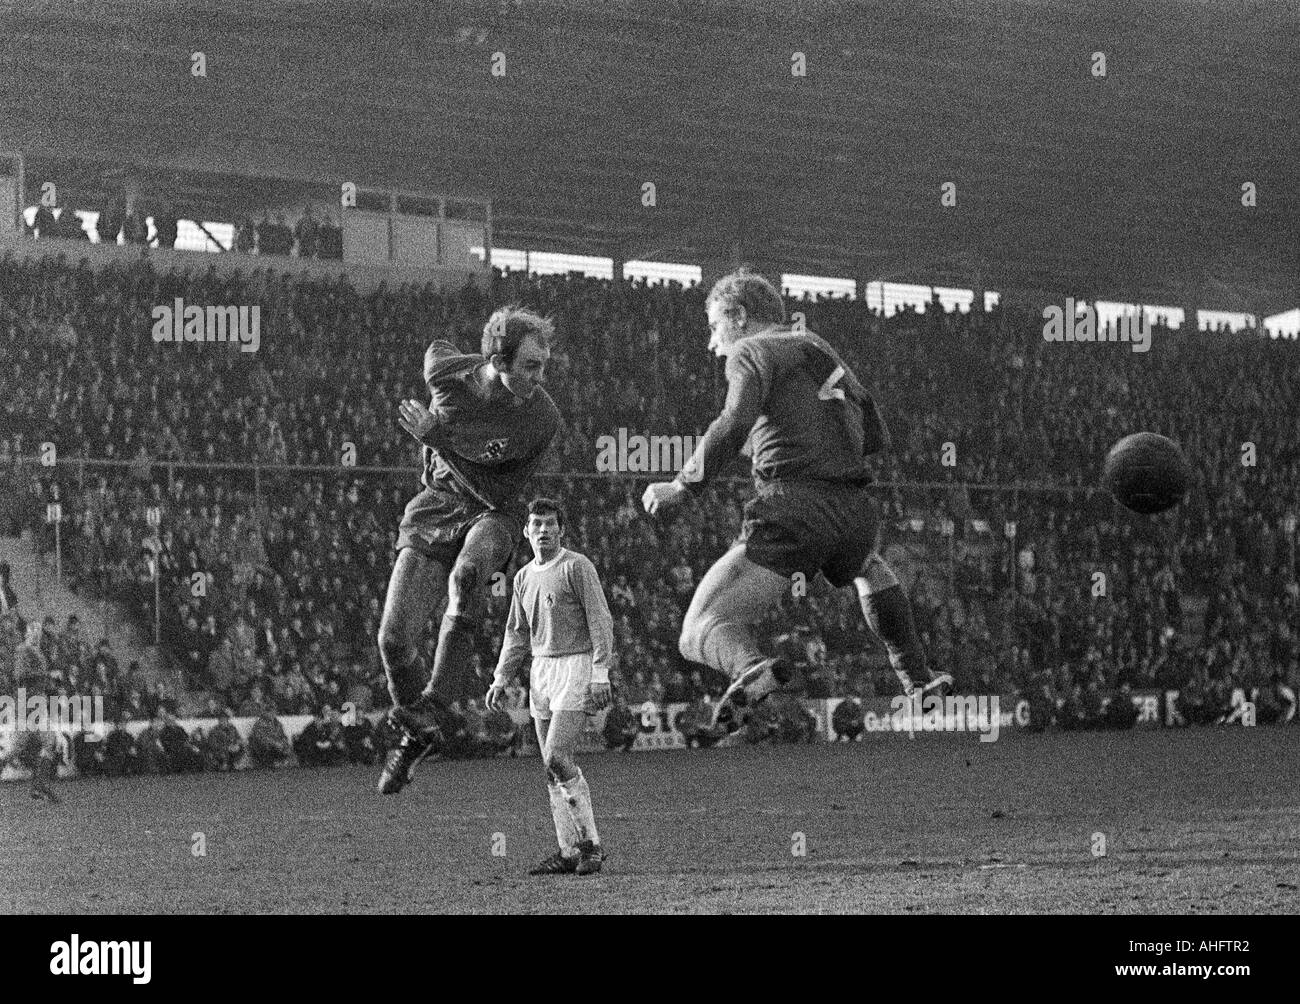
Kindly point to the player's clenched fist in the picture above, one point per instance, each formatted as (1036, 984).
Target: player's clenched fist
(496, 698)
(662, 496)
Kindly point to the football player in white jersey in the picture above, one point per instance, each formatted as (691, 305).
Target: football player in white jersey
(559, 615)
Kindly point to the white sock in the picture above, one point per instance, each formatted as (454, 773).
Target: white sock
(577, 796)
(566, 834)
(896, 664)
(765, 683)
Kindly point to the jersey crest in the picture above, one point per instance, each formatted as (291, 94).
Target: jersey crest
(493, 449)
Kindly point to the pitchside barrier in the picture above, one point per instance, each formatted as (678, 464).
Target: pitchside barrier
(658, 725)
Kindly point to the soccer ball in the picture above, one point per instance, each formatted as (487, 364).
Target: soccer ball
(1146, 473)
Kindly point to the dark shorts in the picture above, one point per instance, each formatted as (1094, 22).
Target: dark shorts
(811, 527)
(436, 523)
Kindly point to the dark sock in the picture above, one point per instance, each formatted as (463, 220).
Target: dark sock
(404, 683)
(450, 662)
(890, 615)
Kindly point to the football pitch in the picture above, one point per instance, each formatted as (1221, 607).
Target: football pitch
(1186, 821)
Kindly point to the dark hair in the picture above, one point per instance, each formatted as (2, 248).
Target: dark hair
(547, 507)
(743, 288)
(507, 328)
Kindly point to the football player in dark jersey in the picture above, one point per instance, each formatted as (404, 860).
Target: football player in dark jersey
(487, 427)
(811, 426)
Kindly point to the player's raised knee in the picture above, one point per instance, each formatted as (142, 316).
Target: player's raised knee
(464, 577)
(688, 642)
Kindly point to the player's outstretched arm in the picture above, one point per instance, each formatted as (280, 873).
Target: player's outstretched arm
(746, 391)
(662, 496)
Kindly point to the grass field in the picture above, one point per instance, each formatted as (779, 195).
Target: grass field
(1194, 821)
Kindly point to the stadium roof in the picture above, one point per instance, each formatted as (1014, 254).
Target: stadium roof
(1122, 187)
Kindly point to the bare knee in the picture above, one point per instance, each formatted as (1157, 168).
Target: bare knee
(688, 645)
(688, 642)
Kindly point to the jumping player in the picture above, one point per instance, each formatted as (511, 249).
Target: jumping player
(813, 425)
(559, 614)
(486, 429)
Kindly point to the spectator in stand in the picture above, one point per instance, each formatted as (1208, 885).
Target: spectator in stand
(135, 230)
(268, 743)
(110, 222)
(307, 232)
(87, 753)
(196, 749)
(71, 227)
(796, 724)
(696, 724)
(254, 704)
(279, 237)
(359, 739)
(166, 227)
(31, 666)
(1194, 702)
(1121, 712)
(847, 720)
(245, 236)
(181, 756)
(501, 734)
(678, 688)
(329, 239)
(223, 748)
(44, 223)
(119, 755)
(762, 725)
(266, 238)
(620, 729)
(321, 743)
(8, 597)
(151, 757)
(1276, 700)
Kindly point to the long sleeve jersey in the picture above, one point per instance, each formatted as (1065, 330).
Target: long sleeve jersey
(810, 417)
(557, 609)
(484, 445)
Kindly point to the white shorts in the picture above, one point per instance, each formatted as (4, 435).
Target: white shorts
(559, 683)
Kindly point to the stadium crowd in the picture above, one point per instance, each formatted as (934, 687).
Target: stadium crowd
(272, 581)
(307, 238)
